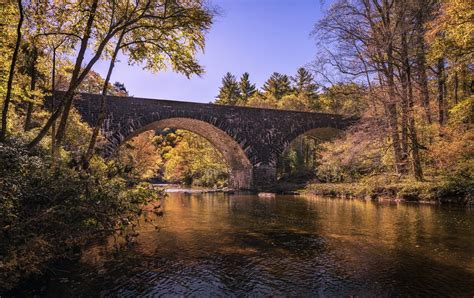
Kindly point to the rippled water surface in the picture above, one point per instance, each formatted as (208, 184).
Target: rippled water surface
(236, 245)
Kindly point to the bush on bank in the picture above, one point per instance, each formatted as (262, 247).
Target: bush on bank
(48, 213)
(457, 189)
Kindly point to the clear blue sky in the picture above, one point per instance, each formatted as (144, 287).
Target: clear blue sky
(257, 36)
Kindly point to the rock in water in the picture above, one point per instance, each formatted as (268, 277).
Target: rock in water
(266, 195)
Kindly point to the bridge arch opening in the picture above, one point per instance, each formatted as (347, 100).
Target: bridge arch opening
(299, 160)
(240, 174)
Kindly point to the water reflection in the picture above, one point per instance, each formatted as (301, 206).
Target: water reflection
(217, 244)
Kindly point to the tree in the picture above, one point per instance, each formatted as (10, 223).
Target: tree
(174, 40)
(29, 67)
(358, 40)
(247, 89)
(103, 23)
(193, 160)
(306, 88)
(140, 156)
(345, 99)
(229, 92)
(450, 35)
(119, 89)
(423, 11)
(277, 86)
(11, 74)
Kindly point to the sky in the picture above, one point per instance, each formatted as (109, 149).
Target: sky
(255, 36)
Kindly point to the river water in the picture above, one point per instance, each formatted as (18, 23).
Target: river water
(237, 245)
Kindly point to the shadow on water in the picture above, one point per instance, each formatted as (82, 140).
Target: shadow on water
(226, 245)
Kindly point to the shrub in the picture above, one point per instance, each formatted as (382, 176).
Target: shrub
(48, 213)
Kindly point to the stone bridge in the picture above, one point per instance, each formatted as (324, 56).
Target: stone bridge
(250, 139)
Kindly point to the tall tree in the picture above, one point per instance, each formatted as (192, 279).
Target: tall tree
(229, 92)
(440, 73)
(423, 10)
(103, 23)
(277, 86)
(409, 129)
(155, 44)
(30, 56)
(358, 40)
(11, 74)
(247, 89)
(306, 88)
(120, 89)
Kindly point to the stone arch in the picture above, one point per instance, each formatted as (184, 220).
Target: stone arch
(324, 133)
(240, 176)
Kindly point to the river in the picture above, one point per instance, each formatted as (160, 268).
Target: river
(236, 245)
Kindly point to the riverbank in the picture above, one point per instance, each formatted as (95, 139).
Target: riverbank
(171, 188)
(402, 191)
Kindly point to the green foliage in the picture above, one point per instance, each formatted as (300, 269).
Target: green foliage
(247, 89)
(346, 99)
(306, 89)
(49, 213)
(379, 187)
(451, 33)
(298, 162)
(277, 86)
(229, 93)
(463, 112)
(194, 161)
(460, 184)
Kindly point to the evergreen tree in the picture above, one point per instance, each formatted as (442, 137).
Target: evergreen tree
(247, 89)
(120, 89)
(277, 85)
(306, 88)
(229, 93)
(304, 82)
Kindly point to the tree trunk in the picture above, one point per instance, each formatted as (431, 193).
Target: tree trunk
(11, 74)
(404, 118)
(53, 105)
(421, 65)
(465, 85)
(441, 93)
(456, 87)
(66, 102)
(400, 163)
(103, 104)
(74, 79)
(408, 100)
(29, 110)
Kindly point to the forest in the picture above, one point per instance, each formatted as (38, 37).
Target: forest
(405, 69)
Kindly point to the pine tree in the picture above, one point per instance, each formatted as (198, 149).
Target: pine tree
(247, 89)
(120, 89)
(306, 88)
(277, 85)
(304, 82)
(229, 93)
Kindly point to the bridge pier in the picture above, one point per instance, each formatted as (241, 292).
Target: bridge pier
(264, 177)
(241, 179)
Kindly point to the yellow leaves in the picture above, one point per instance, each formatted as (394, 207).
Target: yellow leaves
(463, 112)
(452, 32)
(194, 160)
(142, 156)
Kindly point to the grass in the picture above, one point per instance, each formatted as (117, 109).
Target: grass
(382, 188)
